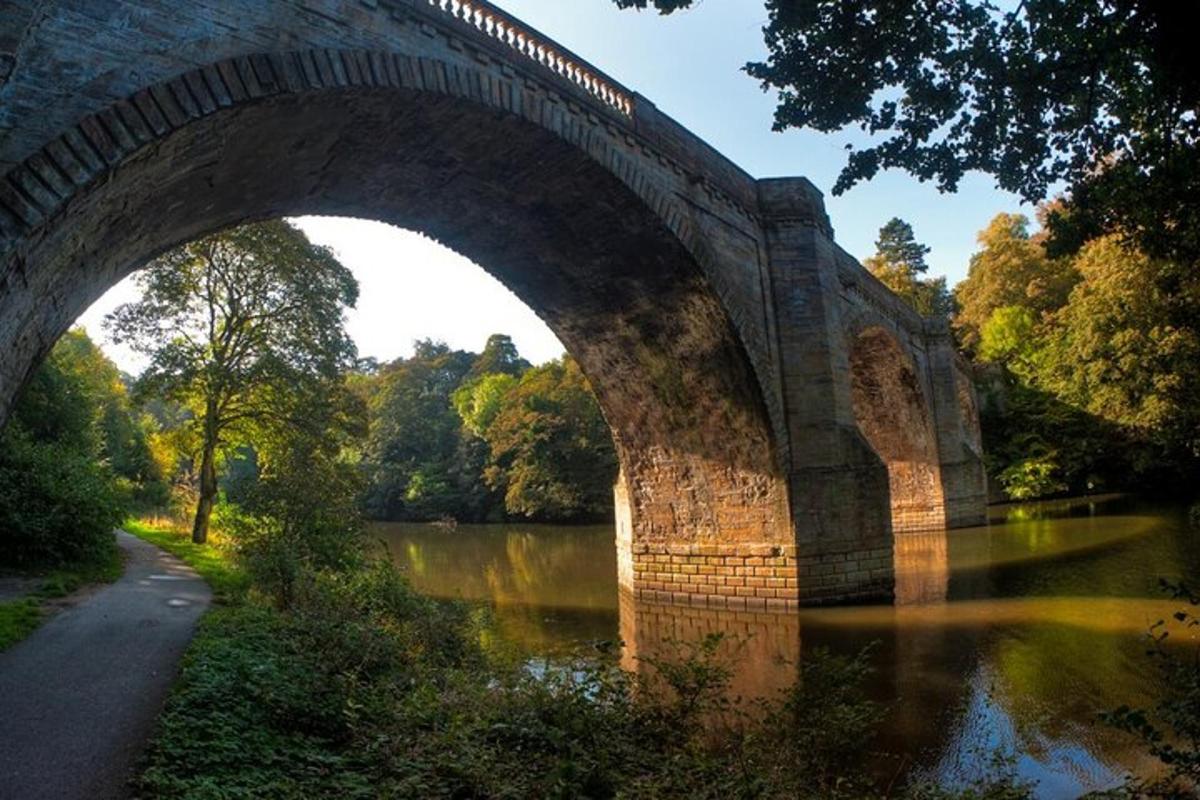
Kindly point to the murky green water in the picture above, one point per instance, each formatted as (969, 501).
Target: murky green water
(1014, 635)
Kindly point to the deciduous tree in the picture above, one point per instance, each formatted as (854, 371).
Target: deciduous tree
(236, 325)
(551, 450)
(1099, 95)
(1011, 268)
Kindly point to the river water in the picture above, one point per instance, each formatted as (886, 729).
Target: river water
(1010, 637)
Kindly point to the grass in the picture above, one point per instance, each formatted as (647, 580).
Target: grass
(18, 619)
(213, 562)
(62, 581)
(21, 617)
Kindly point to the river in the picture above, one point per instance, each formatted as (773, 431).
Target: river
(1010, 637)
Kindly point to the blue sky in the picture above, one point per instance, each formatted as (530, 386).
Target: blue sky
(689, 65)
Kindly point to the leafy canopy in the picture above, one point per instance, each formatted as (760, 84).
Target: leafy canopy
(1011, 268)
(226, 315)
(1089, 366)
(59, 498)
(551, 450)
(246, 330)
(1099, 95)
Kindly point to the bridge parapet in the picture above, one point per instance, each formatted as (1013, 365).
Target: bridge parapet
(509, 30)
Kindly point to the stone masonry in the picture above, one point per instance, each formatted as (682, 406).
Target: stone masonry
(778, 413)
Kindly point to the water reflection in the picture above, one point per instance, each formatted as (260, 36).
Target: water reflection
(1012, 635)
(762, 649)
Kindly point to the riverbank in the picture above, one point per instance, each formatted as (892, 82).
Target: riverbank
(366, 688)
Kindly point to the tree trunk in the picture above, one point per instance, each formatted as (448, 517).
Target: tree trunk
(208, 479)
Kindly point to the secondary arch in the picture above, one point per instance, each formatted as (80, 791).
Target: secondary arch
(894, 415)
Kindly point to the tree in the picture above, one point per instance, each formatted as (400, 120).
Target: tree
(1009, 338)
(1100, 391)
(1011, 268)
(551, 450)
(415, 437)
(59, 500)
(298, 513)
(237, 324)
(899, 263)
(499, 356)
(479, 401)
(1118, 350)
(122, 432)
(1098, 94)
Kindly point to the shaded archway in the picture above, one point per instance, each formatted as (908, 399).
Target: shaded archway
(583, 238)
(893, 415)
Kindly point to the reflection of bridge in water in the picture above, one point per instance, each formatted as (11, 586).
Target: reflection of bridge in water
(763, 648)
(1021, 631)
(950, 586)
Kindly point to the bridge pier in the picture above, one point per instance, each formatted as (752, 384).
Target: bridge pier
(881, 420)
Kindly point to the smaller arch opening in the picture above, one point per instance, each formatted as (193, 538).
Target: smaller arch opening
(893, 415)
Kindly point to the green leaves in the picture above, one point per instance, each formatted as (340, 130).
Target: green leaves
(487, 436)
(245, 329)
(59, 496)
(251, 307)
(1096, 95)
(551, 451)
(1091, 363)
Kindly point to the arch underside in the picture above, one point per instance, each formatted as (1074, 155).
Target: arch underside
(894, 416)
(568, 237)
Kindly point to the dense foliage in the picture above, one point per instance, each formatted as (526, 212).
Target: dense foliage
(237, 325)
(1011, 268)
(485, 437)
(1089, 365)
(1098, 94)
(70, 440)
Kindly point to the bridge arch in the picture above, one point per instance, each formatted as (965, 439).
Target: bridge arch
(892, 408)
(705, 306)
(588, 241)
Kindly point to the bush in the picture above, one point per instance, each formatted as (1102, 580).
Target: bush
(1033, 477)
(56, 505)
(1171, 733)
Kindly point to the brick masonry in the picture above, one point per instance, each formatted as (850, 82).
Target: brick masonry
(714, 314)
(739, 577)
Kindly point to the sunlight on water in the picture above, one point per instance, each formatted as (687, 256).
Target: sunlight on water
(1008, 638)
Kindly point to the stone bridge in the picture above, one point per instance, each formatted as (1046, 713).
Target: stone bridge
(777, 412)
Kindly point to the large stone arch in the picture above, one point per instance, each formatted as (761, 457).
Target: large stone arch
(589, 243)
(706, 306)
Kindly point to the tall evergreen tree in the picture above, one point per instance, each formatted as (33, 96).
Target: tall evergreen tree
(899, 263)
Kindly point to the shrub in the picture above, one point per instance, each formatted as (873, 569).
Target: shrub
(56, 505)
(1171, 733)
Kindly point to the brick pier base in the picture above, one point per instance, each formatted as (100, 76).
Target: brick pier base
(740, 577)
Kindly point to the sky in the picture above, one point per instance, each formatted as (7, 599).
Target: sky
(689, 65)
